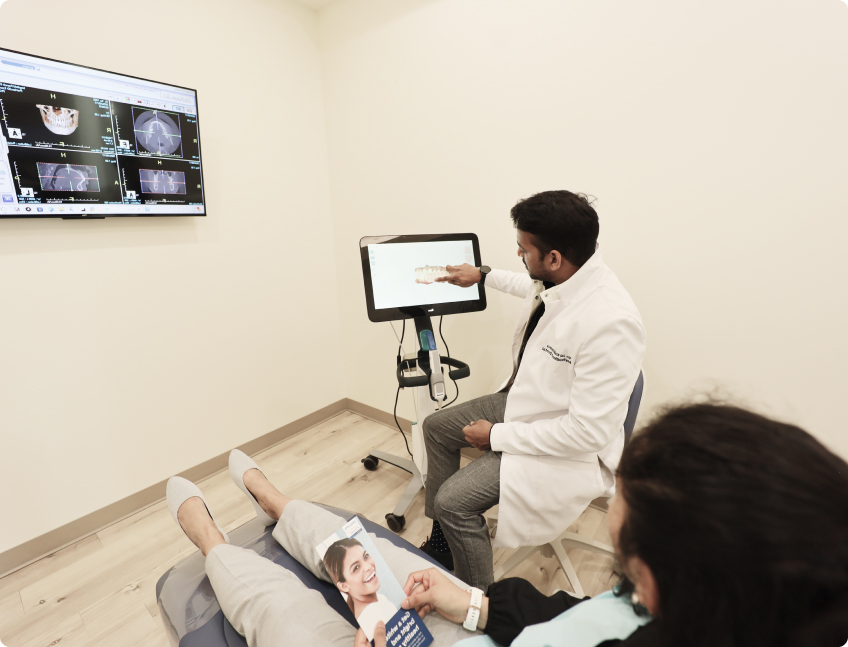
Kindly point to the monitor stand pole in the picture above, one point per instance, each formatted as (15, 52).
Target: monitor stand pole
(414, 372)
(417, 467)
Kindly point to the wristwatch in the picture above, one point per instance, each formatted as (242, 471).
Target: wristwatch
(484, 270)
(474, 609)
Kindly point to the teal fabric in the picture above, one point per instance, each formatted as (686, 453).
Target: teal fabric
(604, 617)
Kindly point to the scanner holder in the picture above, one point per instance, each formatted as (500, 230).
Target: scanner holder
(461, 370)
(430, 363)
(424, 363)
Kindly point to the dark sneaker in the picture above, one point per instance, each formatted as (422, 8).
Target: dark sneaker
(444, 557)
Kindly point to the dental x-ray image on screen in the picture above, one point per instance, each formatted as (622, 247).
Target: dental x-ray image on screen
(401, 275)
(155, 181)
(68, 177)
(62, 121)
(157, 132)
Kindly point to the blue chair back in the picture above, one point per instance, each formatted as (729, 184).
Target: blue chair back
(633, 407)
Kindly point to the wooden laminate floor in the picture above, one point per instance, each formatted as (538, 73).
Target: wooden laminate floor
(100, 591)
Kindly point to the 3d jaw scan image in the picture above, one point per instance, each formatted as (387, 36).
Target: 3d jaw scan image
(429, 273)
(157, 132)
(68, 177)
(61, 121)
(162, 181)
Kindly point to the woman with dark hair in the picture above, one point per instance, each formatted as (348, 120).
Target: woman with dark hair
(731, 530)
(354, 572)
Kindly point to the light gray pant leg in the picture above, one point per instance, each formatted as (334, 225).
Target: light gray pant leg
(444, 439)
(304, 525)
(269, 605)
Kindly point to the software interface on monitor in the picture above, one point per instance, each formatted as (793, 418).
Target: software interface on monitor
(403, 274)
(76, 141)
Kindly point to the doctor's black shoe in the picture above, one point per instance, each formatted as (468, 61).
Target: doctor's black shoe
(444, 557)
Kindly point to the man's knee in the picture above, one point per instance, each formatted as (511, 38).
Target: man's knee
(433, 426)
(441, 503)
(450, 504)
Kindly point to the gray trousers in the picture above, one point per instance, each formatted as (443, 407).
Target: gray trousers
(271, 607)
(457, 498)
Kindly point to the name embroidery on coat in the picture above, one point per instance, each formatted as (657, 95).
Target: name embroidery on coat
(557, 356)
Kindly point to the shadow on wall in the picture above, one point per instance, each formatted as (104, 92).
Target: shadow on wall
(56, 235)
(366, 16)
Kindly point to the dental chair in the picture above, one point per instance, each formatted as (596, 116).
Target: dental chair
(188, 606)
(556, 548)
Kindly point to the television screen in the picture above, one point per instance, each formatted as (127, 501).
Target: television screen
(78, 142)
(400, 275)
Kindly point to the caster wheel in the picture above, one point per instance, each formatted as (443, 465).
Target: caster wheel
(370, 463)
(395, 522)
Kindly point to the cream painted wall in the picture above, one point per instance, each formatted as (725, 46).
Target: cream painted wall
(714, 135)
(133, 349)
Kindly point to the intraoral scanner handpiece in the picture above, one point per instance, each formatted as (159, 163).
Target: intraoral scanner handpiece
(437, 380)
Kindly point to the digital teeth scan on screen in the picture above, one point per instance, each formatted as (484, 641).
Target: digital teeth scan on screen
(79, 142)
(429, 274)
(404, 275)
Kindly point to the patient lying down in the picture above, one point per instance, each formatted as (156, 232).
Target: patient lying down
(730, 528)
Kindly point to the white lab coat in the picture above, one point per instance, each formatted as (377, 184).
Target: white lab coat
(563, 429)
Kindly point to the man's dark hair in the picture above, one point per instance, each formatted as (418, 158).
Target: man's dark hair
(559, 220)
(742, 520)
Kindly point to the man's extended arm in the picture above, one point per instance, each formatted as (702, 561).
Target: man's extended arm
(515, 283)
(605, 371)
(466, 275)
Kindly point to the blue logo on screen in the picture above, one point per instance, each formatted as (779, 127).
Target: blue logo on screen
(8, 198)
(40, 209)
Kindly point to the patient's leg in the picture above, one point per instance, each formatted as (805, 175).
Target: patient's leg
(198, 525)
(303, 525)
(269, 605)
(265, 603)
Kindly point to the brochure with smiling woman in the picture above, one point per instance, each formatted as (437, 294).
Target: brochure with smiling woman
(369, 587)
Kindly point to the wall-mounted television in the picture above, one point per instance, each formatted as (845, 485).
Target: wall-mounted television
(78, 142)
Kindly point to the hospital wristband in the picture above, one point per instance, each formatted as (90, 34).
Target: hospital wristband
(474, 609)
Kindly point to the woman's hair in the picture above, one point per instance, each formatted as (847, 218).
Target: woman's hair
(743, 522)
(334, 562)
(334, 557)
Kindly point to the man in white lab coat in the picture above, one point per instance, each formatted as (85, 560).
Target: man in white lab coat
(553, 433)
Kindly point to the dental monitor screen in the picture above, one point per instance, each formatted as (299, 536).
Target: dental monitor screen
(77, 142)
(400, 275)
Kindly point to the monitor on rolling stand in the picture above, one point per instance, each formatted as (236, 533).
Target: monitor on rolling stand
(400, 275)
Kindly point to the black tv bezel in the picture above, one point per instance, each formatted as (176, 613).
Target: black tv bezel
(425, 310)
(123, 215)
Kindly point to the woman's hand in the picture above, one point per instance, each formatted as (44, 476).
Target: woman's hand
(436, 592)
(361, 639)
